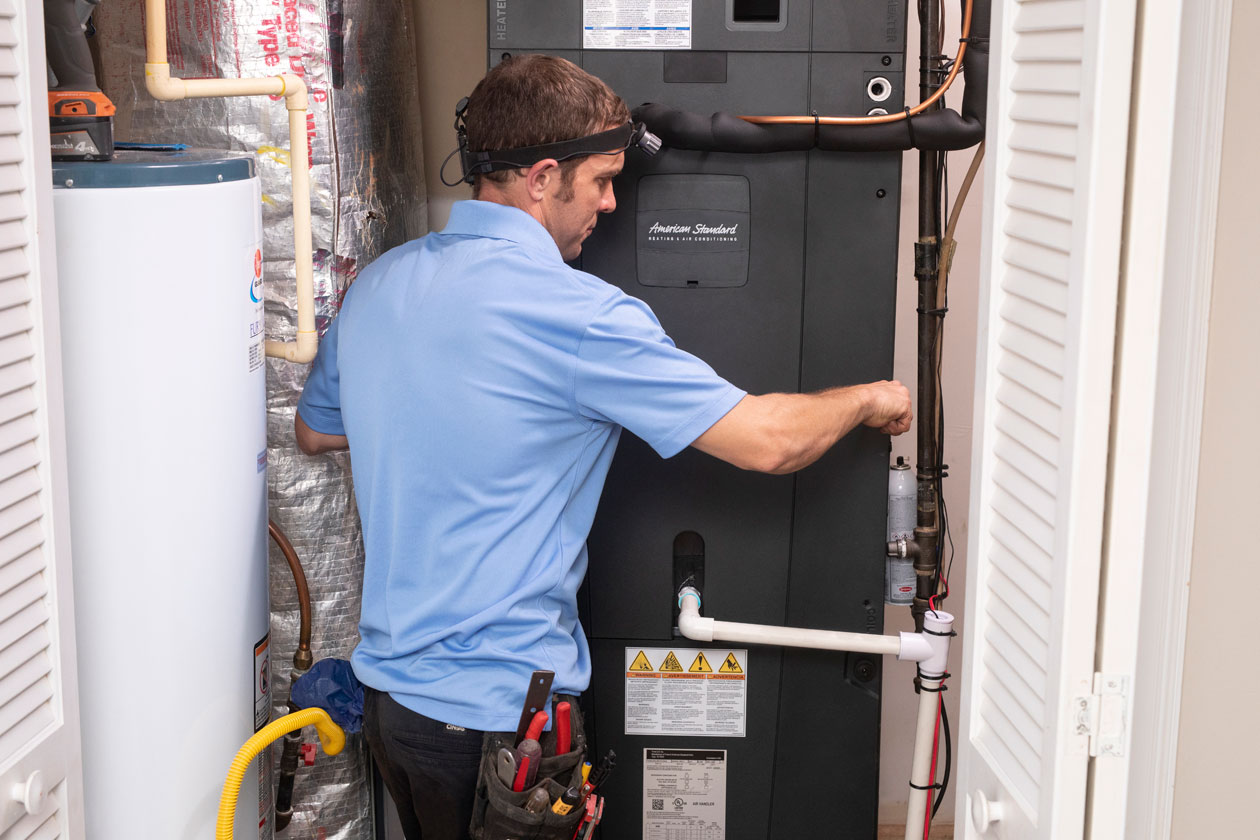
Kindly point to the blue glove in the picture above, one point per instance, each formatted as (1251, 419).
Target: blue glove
(331, 685)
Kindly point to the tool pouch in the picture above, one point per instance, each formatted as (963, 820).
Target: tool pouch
(499, 812)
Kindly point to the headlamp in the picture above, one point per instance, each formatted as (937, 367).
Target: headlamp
(611, 142)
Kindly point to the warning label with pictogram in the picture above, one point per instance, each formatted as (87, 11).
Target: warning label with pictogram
(669, 700)
(641, 663)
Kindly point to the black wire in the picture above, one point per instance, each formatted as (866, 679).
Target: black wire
(942, 510)
(940, 795)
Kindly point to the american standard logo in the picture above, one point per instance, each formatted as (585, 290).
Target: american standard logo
(698, 232)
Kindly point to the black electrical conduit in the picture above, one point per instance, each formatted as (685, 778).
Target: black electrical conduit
(302, 661)
(940, 130)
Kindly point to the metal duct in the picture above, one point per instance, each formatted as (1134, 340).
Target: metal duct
(367, 195)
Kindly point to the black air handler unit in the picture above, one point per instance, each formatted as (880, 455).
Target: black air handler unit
(779, 270)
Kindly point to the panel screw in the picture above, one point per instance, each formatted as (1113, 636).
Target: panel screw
(865, 670)
(69, 182)
(880, 193)
(886, 60)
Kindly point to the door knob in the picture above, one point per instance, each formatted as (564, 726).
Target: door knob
(32, 793)
(983, 812)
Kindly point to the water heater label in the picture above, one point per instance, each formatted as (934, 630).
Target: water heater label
(255, 310)
(686, 691)
(684, 794)
(636, 24)
(262, 683)
(262, 716)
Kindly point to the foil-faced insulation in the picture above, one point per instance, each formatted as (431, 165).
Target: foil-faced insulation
(367, 195)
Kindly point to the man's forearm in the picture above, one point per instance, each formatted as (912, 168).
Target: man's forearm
(781, 433)
(314, 443)
(801, 427)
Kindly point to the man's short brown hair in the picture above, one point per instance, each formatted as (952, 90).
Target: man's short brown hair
(529, 100)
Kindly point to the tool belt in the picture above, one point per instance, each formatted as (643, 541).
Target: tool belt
(500, 813)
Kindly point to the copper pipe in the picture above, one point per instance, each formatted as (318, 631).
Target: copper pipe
(302, 657)
(883, 118)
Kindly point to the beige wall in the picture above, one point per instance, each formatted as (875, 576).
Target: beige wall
(451, 35)
(450, 60)
(1218, 741)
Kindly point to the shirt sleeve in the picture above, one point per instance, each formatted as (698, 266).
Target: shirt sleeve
(320, 403)
(629, 372)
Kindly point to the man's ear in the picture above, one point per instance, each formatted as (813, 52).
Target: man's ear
(540, 176)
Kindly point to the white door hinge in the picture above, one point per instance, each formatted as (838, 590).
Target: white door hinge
(1104, 715)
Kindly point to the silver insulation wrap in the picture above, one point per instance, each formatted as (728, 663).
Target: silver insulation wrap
(367, 195)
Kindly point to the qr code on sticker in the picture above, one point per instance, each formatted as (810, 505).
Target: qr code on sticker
(658, 804)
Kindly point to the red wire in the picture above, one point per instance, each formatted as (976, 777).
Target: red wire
(936, 739)
(945, 594)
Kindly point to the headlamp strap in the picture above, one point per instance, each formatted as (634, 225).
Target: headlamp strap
(525, 156)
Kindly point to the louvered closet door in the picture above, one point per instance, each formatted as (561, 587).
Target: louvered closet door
(40, 792)
(1054, 193)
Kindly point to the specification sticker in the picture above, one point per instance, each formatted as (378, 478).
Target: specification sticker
(686, 691)
(684, 794)
(636, 24)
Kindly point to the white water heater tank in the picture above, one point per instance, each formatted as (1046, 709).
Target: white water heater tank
(159, 266)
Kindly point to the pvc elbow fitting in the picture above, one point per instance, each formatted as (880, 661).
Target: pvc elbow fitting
(300, 351)
(690, 623)
(160, 85)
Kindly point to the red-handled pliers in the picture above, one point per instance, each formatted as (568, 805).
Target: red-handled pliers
(564, 736)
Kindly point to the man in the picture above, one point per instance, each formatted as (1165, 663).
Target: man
(481, 385)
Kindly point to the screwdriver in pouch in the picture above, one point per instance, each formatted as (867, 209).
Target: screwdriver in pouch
(529, 753)
(538, 801)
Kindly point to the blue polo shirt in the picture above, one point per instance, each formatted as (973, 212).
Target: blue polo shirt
(483, 384)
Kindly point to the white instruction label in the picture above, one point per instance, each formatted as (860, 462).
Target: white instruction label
(686, 691)
(636, 24)
(684, 794)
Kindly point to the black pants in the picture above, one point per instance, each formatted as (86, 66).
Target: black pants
(429, 767)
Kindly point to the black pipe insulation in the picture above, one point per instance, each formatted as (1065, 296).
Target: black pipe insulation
(288, 773)
(940, 130)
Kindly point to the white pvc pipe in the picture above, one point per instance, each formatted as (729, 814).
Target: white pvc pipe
(907, 646)
(921, 764)
(938, 627)
(930, 649)
(161, 85)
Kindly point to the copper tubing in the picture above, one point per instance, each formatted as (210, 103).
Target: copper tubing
(883, 118)
(302, 657)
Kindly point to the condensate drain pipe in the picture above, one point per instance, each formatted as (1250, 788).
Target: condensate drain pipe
(929, 648)
(913, 647)
(161, 85)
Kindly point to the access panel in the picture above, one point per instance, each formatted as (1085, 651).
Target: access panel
(777, 269)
